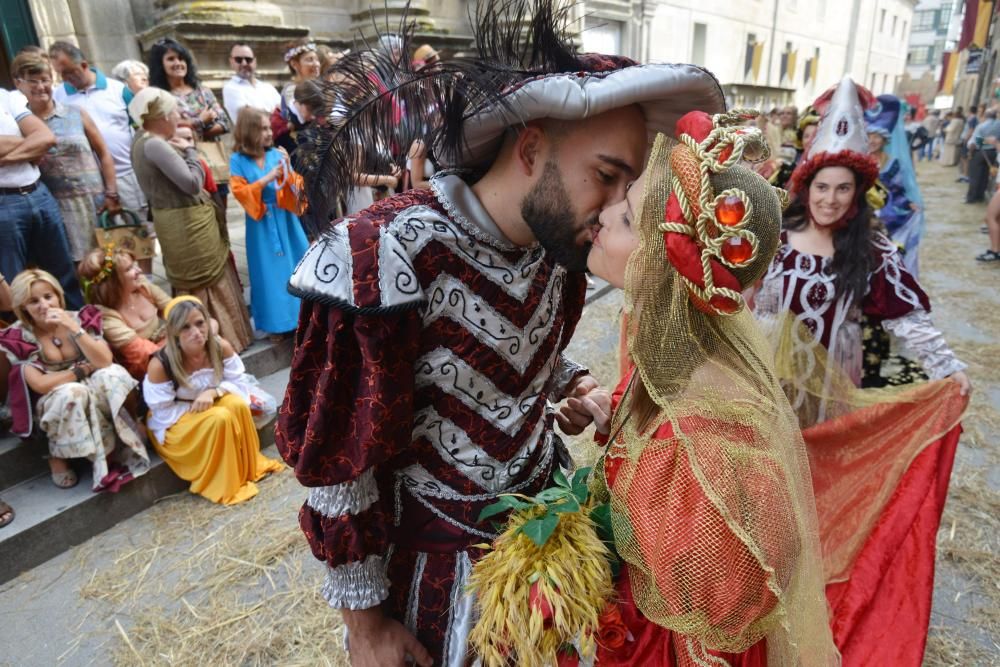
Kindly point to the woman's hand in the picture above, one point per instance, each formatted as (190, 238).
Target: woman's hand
(207, 117)
(962, 380)
(59, 317)
(598, 404)
(205, 400)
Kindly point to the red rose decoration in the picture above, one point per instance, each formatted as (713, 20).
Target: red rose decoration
(612, 632)
(538, 602)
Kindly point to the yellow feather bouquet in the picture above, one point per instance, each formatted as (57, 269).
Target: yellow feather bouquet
(546, 579)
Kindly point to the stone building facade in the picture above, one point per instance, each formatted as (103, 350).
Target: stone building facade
(764, 52)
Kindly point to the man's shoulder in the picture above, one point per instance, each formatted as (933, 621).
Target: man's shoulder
(361, 264)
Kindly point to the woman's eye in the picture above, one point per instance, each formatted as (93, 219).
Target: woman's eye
(626, 221)
(604, 176)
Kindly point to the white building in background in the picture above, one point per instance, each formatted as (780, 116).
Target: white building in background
(937, 25)
(764, 52)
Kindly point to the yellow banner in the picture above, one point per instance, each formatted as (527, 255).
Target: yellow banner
(758, 53)
(949, 74)
(982, 23)
(792, 57)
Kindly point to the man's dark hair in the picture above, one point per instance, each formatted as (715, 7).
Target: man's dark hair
(235, 44)
(992, 113)
(72, 51)
(973, 109)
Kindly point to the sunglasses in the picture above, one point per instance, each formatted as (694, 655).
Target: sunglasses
(241, 60)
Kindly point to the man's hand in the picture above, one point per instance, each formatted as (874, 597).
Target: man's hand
(112, 206)
(573, 416)
(377, 641)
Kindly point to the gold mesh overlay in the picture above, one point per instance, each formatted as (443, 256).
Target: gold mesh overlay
(743, 564)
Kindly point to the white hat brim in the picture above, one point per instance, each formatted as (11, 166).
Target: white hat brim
(664, 91)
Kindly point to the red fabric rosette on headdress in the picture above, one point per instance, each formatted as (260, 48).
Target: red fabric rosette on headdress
(703, 232)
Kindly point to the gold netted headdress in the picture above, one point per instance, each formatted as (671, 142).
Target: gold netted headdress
(712, 506)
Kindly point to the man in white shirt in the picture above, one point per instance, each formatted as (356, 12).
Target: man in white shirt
(106, 100)
(31, 227)
(245, 89)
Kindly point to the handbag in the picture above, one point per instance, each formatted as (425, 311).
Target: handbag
(215, 156)
(128, 233)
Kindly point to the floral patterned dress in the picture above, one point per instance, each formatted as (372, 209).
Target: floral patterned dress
(85, 419)
(70, 171)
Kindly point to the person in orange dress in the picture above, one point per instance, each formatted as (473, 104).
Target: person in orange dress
(130, 305)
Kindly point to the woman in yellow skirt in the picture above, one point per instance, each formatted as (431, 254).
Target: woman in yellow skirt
(199, 402)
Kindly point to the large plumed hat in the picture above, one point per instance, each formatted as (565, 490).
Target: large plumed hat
(842, 138)
(525, 68)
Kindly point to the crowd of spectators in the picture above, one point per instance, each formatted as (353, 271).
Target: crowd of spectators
(99, 173)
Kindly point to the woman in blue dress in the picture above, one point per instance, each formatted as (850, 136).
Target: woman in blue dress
(263, 181)
(902, 214)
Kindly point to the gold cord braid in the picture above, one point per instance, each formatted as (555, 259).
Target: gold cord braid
(706, 230)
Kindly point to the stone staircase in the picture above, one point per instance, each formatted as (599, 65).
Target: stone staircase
(50, 520)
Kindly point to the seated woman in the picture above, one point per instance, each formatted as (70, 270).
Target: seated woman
(6, 511)
(199, 408)
(63, 378)
(131, 307)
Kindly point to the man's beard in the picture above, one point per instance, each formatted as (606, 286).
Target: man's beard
(549, 214)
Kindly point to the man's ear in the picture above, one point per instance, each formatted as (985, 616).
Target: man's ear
(528, 149)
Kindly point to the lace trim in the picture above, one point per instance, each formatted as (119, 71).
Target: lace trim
(357, 585)
(919, 335)
(566, 369)
(351, 497)
(467, 225)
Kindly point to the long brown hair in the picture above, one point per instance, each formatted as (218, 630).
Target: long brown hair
(176, 319)
(104, 287)
(250, 123)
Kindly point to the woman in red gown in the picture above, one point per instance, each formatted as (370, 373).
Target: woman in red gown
(706, 472)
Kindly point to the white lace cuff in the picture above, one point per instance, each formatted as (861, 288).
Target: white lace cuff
(351, 497)
(357, 585)
(919, 336)
(566, 371)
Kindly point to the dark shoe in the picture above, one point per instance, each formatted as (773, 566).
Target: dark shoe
(974, 201)
(988, 256)
(984, 229)
(962, 179)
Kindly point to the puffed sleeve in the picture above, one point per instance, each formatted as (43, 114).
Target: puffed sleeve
(233, 373)
(348, 408)
(690, 537)
(159, 297)
(897, 300)
(288, 193)
(249, 195)
(892, 290)
(164, 408)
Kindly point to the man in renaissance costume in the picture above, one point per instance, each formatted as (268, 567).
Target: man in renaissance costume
(430, 343)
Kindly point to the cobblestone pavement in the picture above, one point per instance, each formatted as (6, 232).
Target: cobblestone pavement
(187, 582)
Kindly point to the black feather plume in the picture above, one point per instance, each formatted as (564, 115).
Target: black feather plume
(377, 105)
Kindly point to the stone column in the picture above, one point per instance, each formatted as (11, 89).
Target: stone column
(208, 28)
